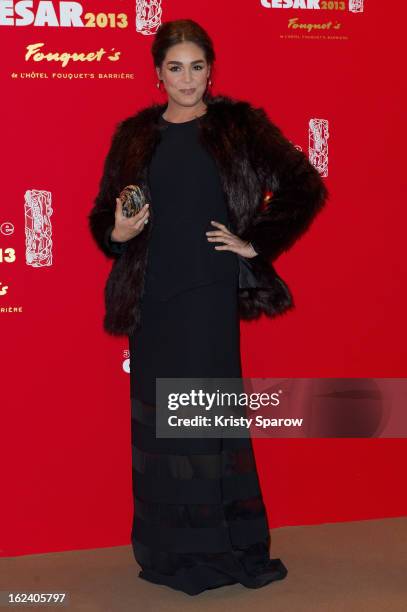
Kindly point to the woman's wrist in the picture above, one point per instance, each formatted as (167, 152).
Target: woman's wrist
(114, 238)
(254, 252)
(253, 249)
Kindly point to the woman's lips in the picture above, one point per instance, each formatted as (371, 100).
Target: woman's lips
(187, 91)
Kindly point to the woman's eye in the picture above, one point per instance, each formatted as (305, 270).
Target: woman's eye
(174, 68)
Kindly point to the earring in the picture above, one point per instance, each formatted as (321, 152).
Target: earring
(158, 84)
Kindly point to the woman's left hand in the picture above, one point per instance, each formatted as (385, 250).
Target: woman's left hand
(233, 242)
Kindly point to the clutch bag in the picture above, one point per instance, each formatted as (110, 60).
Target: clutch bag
(133, 199)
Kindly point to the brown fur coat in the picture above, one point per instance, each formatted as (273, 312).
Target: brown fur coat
(253, 157)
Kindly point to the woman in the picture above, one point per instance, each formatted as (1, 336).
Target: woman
(192, 262)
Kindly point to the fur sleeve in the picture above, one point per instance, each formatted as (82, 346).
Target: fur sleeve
(299, 192)
(101, 218)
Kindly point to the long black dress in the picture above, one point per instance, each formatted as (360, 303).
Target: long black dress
(199, 518)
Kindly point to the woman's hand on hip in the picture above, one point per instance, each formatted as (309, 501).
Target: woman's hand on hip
(232, 242)
(126, 228)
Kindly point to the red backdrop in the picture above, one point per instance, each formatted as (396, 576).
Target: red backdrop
(66, 454)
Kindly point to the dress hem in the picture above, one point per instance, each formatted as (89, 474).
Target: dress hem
(195, 580)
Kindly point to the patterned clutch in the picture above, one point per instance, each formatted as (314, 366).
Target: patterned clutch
(133, 199)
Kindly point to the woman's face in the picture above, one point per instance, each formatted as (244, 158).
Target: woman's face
(184, 68)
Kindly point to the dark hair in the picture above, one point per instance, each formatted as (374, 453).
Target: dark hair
(171, 33)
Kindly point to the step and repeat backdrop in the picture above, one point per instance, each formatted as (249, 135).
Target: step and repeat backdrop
(328, 74)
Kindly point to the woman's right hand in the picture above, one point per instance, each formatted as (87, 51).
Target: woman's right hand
(126, 228)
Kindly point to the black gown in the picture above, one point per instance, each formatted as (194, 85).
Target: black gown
(199, 519)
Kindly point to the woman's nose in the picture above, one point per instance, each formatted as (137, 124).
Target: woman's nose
(188, 77)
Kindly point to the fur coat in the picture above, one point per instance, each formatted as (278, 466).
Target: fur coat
(253, 157)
